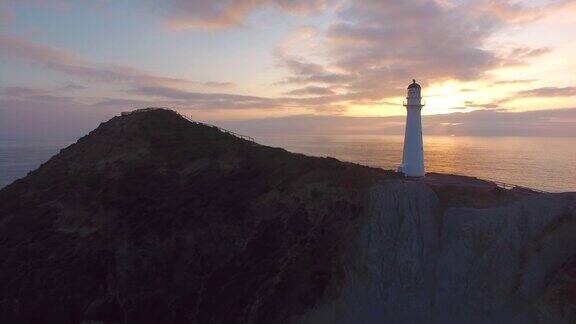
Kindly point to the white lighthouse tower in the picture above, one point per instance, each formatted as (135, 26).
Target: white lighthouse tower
(413, 157)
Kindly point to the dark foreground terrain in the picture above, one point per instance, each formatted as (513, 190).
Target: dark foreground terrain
(153, 219)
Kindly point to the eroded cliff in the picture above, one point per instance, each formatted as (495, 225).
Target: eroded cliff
(414, 262)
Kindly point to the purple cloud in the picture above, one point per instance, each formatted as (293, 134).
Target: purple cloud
(6, 15)
(557, 122)
(32, 95)
(74, 86)
(311, 90)
(199, 100)
(219, 14)
(472, 104)
(225, 101)
(520, 81)
(548, 92)
(73, 65)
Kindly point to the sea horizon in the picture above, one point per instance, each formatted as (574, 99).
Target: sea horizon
(543, 163)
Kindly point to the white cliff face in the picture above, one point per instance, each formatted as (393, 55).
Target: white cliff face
(414, 263)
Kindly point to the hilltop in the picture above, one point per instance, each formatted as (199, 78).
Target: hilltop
(152, 218)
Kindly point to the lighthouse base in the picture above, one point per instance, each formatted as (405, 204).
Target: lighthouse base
(413, 154)
(401, 170)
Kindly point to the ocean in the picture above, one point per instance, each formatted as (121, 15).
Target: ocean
(542, 163)
(18, 157)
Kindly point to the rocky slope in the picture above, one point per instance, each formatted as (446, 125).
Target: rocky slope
(153, 219)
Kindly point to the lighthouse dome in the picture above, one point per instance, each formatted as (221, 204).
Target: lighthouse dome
(413, 84)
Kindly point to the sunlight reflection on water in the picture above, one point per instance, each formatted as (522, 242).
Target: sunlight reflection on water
(537, 162)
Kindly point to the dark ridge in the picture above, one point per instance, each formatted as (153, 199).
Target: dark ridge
(156, 219)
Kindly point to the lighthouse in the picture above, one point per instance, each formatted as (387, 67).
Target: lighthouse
(413, 156)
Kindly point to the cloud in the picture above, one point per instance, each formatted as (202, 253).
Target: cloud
(548, 92)
(311, 90)
(74, 65)
(199, 100)
(203, 14)
(557, 122)
(6, 15)
(395, 40)
(217, 84)
(367, 55)
(303, 72)
(544, 92)
(32, 94)
(520, 55)
(508, 11)
(220, 14)
(375, 47)
(29, 112)
(225, 101)
(157, 96)
(120, 104)
(519, 81)
(74, 86)
(472, 104)
(19, 92)
(517, 12)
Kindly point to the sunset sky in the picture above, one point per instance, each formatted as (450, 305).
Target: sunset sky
(65, 65)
